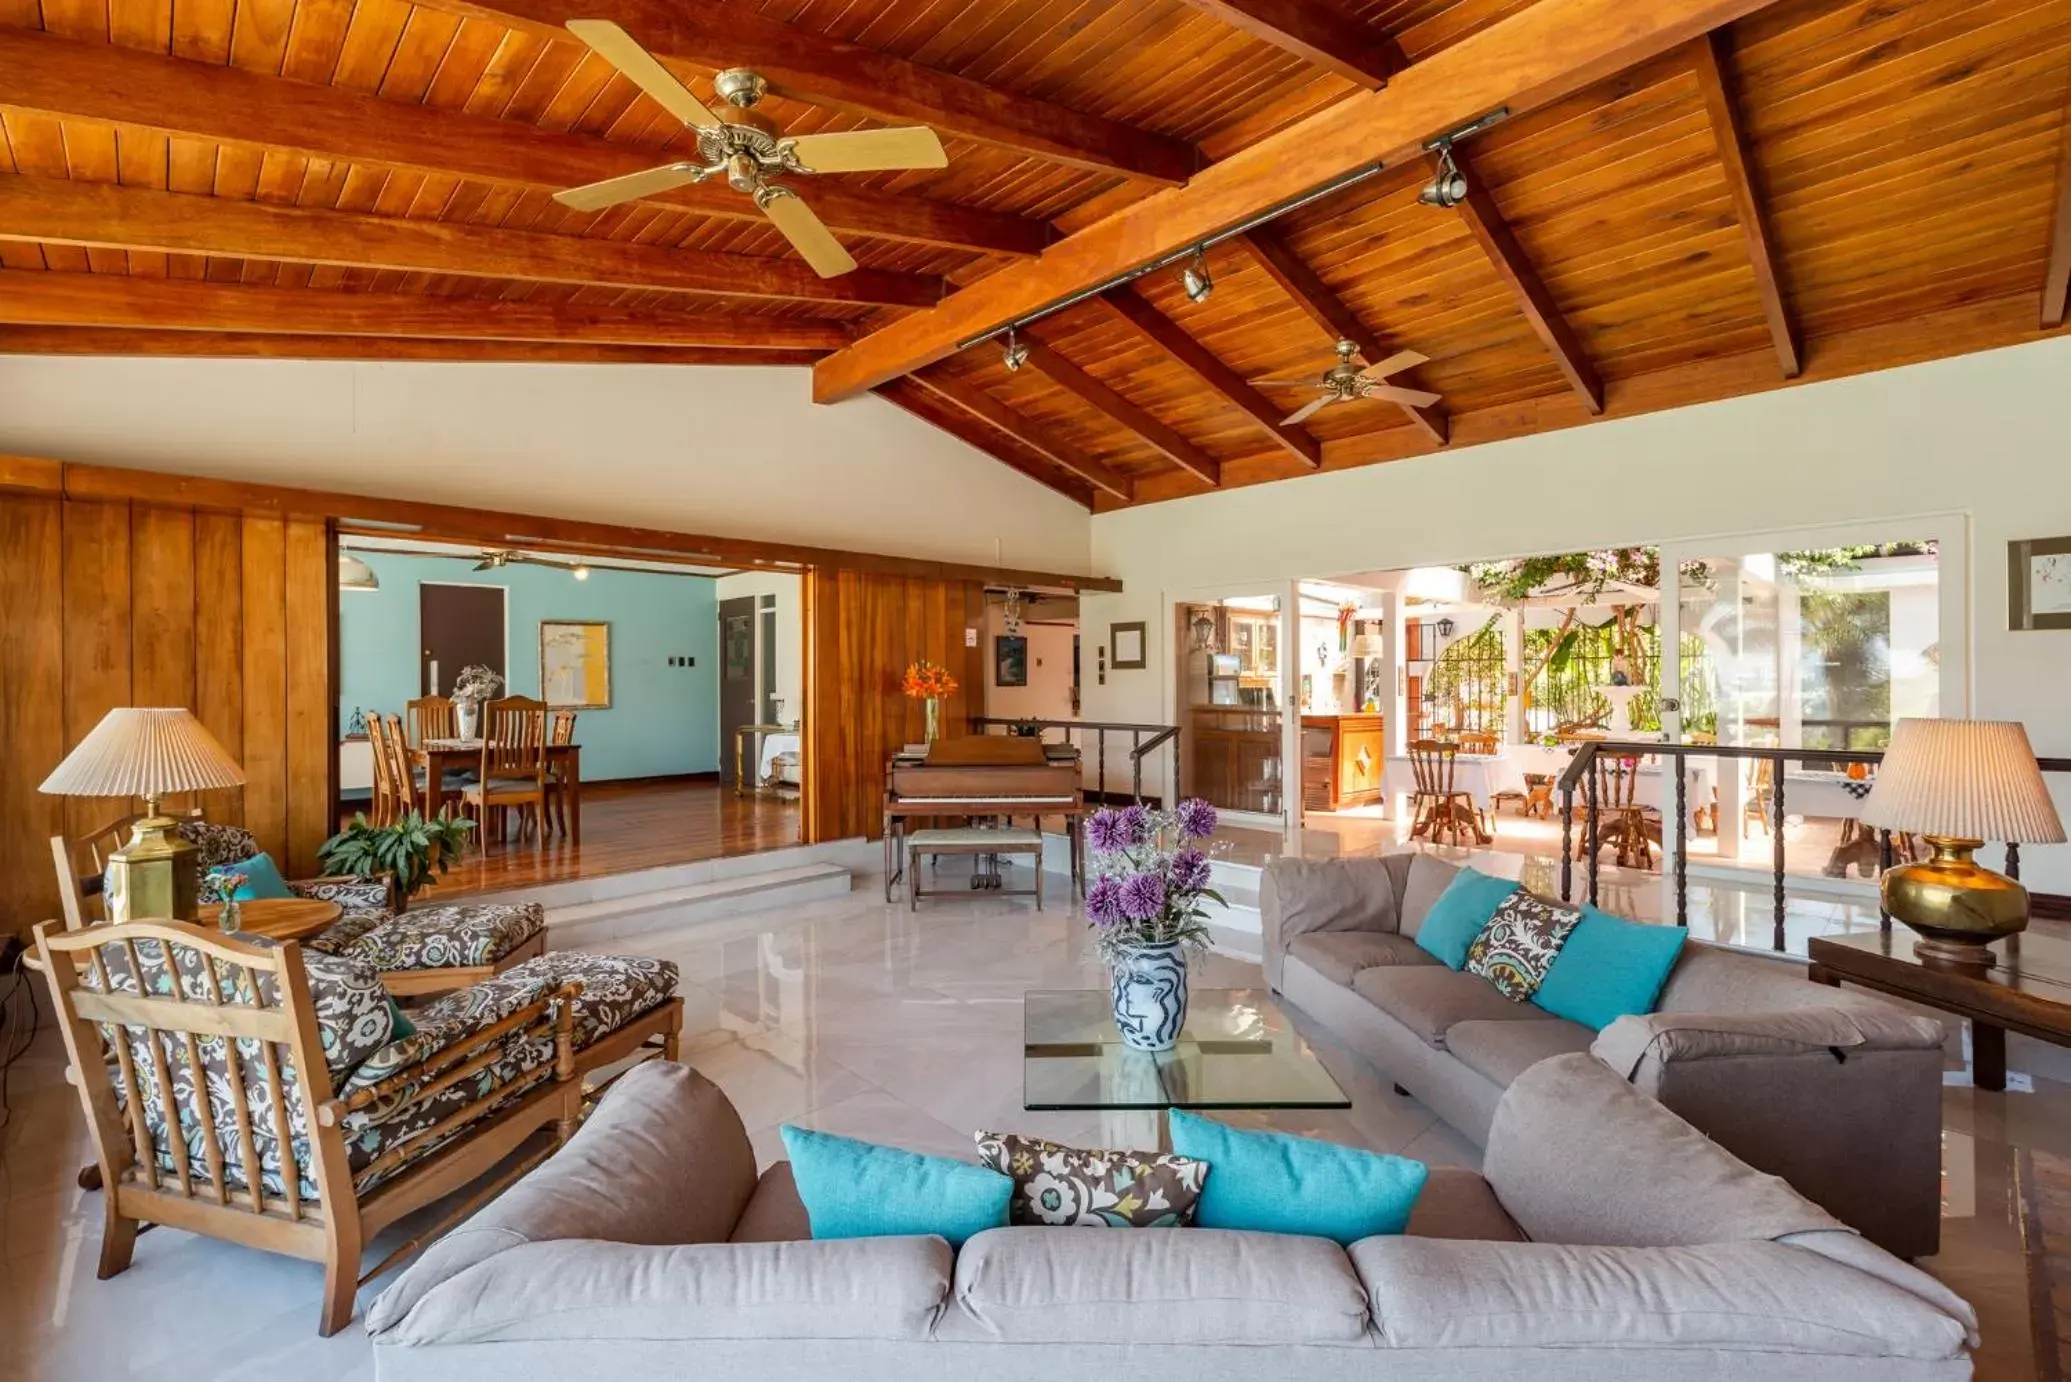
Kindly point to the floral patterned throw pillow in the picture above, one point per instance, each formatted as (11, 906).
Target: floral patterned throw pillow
(1519, 944)
(1060, 1185)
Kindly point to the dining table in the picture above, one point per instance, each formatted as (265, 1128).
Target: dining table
(438, 757)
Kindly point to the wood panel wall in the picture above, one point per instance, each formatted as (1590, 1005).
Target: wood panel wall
(113, 604)
(862, 630)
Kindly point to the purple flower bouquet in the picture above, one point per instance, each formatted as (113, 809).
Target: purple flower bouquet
(1151, 877)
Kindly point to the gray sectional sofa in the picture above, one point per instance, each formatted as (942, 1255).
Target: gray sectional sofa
(1609, 1241)
(1837, 1091)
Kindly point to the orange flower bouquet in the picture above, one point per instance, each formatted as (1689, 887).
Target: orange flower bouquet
(930, 682)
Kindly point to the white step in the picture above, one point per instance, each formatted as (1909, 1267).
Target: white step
(632, 914)
(849, 854)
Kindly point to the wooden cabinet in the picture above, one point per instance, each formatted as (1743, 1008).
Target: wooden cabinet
(1341, 761)
(1235, 759)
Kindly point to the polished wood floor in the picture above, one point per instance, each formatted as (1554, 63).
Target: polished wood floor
(632, 827)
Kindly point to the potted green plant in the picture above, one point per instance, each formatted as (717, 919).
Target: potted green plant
(406, 852)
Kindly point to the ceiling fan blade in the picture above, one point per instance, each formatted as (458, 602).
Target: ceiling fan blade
(1394, 364)
(618, 48)
(868, 151)
(595, 196)
(1306, 383)
(485, 565)
(1301, 414)
(1414, 398)
(807, 234)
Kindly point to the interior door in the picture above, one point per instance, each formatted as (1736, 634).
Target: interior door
(460, 626)
(737, 663)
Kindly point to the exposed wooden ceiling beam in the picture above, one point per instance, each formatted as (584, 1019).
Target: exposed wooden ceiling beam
(1315, 32)
(931, 407)
(122, 300)
(1333, 314)
(1167, 334)
(126, 87)
(66, 211)
(811, 67)
(1485, 222)
(1534, 56)
(1102, 399)
(266, 345)
(1708, 61)
(2056, 279)
(998, 416)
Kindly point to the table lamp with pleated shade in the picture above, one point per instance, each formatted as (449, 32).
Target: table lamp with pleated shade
(148, 753)
(1960, 783)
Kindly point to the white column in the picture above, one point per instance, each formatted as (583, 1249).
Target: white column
(1790, 643)
(1513, 673)
(1721, 631)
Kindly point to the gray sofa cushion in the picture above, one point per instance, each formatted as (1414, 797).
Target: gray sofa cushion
(850, 1288)
(1691, 1036)
(1430, 1293)
(1335, 894)
(1628, 1172)
(1429, 999)
(1458, 1203)
(1338, 955)
(1504, 1050)
(1423, 880)
(774, 1214)
(1179, 1286)
(664, 1159)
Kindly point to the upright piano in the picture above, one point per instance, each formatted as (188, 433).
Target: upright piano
(982, 775)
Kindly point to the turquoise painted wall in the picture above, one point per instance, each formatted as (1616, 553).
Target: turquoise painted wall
(662, 719)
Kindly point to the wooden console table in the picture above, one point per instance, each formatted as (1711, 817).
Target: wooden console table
(2026, 989)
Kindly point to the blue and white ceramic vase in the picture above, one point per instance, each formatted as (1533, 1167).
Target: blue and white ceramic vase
(1149, 987)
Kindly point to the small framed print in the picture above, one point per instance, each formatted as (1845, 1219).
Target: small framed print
(1009, 659)
(1127, 641)
(2038, 583)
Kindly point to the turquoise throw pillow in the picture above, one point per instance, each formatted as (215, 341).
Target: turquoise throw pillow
(399, 1023)
(262, 879)
(1271, 1182)
(1610, 968)
(854, 1189)
(1459, 914)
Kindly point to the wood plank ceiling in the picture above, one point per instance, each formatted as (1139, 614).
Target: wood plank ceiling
(1819, 186)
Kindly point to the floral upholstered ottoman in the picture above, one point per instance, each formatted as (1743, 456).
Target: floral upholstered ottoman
(627, 1005)
(434, 949)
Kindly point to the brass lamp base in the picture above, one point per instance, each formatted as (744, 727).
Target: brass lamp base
(155, 874)
(1958, 907)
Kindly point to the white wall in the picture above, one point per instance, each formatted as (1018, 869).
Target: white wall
(790, 633)
(1048, 693)
(732, 451)
(1981, 435)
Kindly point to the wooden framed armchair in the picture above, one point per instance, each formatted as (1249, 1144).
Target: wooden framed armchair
(252, 1093)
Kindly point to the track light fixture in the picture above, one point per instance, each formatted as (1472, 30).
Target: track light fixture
(1195, 278)
(1448, 187)
(1016, 353)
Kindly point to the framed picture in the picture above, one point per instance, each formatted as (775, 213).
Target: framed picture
(2038, 583)
(1128, 644)
(1010, 660)
(575, 663)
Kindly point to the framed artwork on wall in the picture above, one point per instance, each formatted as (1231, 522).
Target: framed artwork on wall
(2038, 583)
(1127, 643)
(575, 663)
(1010, 660)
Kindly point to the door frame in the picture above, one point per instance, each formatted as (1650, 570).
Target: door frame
(504, 591)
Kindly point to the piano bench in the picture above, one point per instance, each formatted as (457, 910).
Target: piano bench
(972, 841)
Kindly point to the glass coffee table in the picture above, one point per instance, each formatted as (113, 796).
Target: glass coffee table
(1236, 1051)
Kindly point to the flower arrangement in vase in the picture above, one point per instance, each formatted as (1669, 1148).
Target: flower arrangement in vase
(225, 880)
(930, 682)
(1150, 879)
(476, 683)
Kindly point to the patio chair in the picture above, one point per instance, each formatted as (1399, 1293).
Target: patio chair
(1439, 810)
(1621, 821)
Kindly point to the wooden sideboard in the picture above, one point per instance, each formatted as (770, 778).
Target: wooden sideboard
(1341, 761)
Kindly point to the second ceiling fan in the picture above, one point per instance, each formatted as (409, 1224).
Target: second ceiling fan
(746, 148)
(1352, 378)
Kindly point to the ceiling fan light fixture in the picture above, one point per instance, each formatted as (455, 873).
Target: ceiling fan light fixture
(1016, 353)
(1448, 186)
(1195, 278)
(579, 571)
(355, 574)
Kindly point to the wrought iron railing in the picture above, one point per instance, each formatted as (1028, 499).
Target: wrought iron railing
(1581, 773)
(1144, 740)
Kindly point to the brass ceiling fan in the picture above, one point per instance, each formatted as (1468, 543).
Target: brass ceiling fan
(1351, 379)
(746, 148)
(496, 560)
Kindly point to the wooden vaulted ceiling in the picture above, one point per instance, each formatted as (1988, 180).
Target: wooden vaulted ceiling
(1689, 199)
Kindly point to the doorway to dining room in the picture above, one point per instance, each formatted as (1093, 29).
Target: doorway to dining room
(622, 657)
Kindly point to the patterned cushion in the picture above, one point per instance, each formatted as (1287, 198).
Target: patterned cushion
(1055, 1184)
(448, 937)
(1519, 944)
(215, 846)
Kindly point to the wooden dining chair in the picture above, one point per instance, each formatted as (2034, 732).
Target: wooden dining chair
(410, 794)
(560, 732)
(384, 810)
(513, 776)
(1480, 741)
(429, 717)
(1439, 809)
(1621, 821)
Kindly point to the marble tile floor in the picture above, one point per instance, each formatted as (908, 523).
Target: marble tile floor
(847, 1015)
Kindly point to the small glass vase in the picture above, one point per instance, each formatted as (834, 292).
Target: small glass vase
(231, 918)
(1148, 985)
(934, 707)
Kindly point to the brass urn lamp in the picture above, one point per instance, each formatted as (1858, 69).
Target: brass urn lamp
(148, 753)
(1960, 783)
